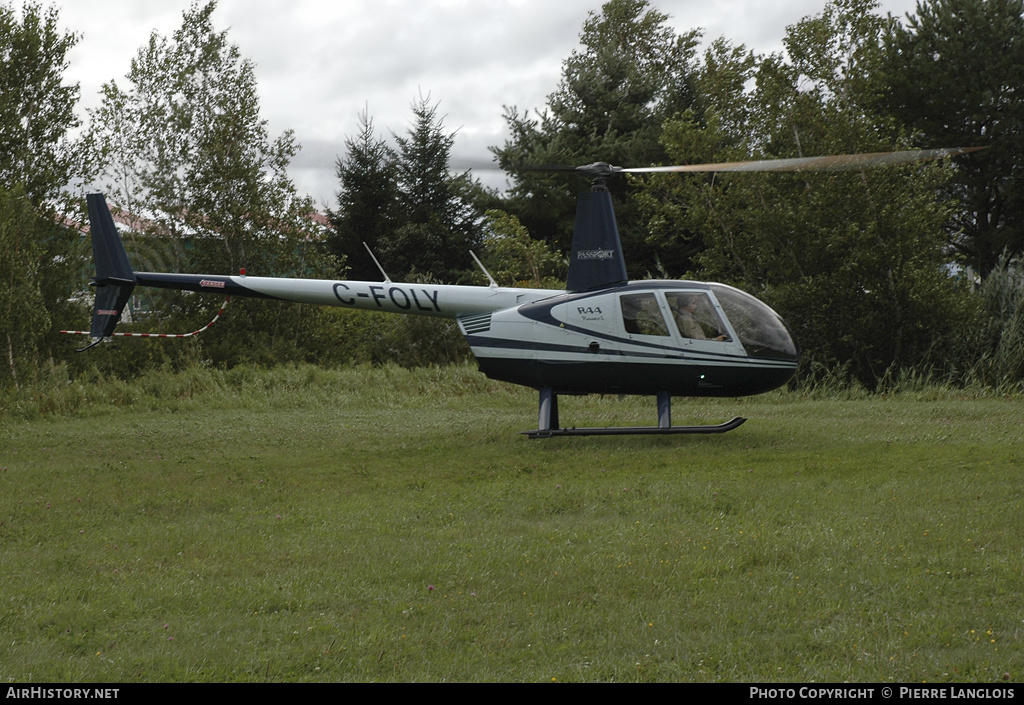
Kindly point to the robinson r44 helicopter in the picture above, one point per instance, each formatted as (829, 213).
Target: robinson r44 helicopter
(602, 334)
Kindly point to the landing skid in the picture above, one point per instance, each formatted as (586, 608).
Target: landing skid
(636, 430)
(548, 422)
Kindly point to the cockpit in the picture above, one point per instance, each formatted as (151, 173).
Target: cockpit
(701, 318)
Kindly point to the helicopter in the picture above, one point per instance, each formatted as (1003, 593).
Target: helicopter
(602, 334)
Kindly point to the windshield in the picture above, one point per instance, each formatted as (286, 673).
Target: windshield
(761, 330)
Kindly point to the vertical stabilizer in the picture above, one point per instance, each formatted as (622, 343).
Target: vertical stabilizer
(115, 278)
(596, 260)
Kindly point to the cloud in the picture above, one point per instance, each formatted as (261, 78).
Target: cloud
(320, 63)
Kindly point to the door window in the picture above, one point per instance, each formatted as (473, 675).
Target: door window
(641, 315)
(695, 316)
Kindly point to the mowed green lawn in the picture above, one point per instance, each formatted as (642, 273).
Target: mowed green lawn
(384, 524)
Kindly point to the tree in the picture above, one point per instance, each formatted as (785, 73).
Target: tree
(632, 73)
(955, 75)
(853, 260)
(721, 133)
(40, 164)
(23, 316)
(187, 138)
(367, 201)
(440, 214)
(515, 259)
(993, 349)
(36, 106)
(188, 155)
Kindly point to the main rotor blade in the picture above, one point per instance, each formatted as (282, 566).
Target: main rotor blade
(839, 162)
(545, 167)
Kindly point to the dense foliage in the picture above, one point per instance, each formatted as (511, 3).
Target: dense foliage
(853, 259)
(955, 75)
(189, 157)
(631, 74)
(865, 266)
(38, 159)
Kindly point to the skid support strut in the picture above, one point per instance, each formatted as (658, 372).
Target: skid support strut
(548, 426)
(547, 417)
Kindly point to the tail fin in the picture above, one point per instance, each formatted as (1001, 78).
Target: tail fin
(115, 278)
(596, 258)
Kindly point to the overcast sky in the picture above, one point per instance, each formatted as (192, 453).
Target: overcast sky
(319, 63)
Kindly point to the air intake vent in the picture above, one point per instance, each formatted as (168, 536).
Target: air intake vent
(474, 325)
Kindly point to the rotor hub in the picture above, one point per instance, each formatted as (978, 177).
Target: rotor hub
(598, 173)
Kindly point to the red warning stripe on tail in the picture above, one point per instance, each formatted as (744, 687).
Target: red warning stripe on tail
(158, 335)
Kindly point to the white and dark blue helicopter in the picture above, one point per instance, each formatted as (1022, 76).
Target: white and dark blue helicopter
(602, 334)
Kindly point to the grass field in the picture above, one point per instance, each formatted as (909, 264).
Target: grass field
(384, 524)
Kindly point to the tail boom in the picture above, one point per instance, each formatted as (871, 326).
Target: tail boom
(438, 300)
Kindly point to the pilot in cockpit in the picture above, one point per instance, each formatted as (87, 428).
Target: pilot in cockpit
(684, 307)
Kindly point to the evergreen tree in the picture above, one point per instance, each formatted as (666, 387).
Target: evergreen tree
(632, 73)
(367, 201)
(440, 213)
